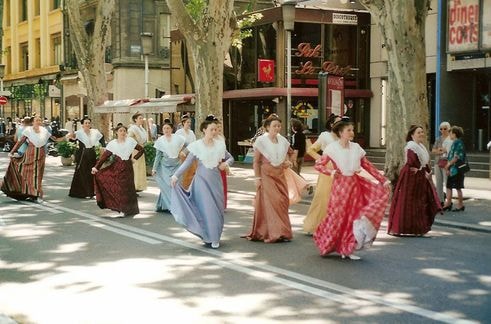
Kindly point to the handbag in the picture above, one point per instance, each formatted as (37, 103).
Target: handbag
(462, 167)
(442, 163)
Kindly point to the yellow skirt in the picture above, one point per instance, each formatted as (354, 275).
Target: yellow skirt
(318, 209)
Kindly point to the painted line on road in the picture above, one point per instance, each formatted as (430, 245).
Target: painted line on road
(120, 231)
(294, 280)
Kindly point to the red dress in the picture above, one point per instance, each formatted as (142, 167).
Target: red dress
(352, 197)
(415, 202)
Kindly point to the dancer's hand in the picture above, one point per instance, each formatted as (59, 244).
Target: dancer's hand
(94, 170)
(173, 180)
(222, 166)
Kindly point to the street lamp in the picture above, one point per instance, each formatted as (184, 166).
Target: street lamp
(147, 49)
(288, 11)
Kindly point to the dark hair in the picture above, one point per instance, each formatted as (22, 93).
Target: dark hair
(458, 131)
(211, 117)
(184, 118)
(297, 125)
(120, 126)
(204, 125)
(412, 130)
(135, 116)
(339, 126)
(270, 119)
(85, 118)
(167, 121)
(330, 122)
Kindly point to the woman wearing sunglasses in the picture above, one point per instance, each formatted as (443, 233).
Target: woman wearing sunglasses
(440, 150)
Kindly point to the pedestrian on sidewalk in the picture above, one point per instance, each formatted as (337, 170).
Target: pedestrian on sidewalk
(85, 159)
(24, 177)
(456, 160)
(441, 147)
(140, 135)
(200, 210)
(415, 201)
(272, 154)
(356, 205)
(167, 160)
(297, 144)
(189, 137)
(114, 178)
(317, 209)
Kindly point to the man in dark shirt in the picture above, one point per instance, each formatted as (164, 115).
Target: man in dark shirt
(298, 144)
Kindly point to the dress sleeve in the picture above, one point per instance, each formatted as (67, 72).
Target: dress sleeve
(103, 159)
(412, 160)
(18, 144)
(185, 165)
(314, 149)
(229, 159)
(156, 161)
(321, 165)
(140, 150)
(370, 168)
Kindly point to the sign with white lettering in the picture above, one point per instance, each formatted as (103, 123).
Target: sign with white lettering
(344, 19)
(463, 25)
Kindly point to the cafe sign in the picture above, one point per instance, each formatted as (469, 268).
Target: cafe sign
(306, 50)
(463, 25)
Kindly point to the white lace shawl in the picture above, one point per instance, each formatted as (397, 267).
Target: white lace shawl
(189, 136)
(325, 138)
(140, 133)
(37, 139)
(421, 152)
(274, 152)
(347, 159)
(210, 156)
(89, 140)
(123, 150)
(172, 147)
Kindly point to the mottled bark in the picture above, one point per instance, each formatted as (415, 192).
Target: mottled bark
(402, 23)
(90, 51)
(208, 40)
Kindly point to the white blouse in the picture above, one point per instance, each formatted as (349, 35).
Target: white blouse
(37, 139)
(347, 159)
(89, 140)
(274, 152)
(140, 133)
(210, 156)
(123, 150)
(189, 136)
(172, 147)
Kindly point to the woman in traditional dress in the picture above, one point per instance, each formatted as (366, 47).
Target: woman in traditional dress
(114, 184)
(85, 158)
(140, 135)
(24, 176)
(356, 205)
(189, 137)
(318, 207)
(200, 210)
(272, 153)
(455, 180)
(168, 147)
(415, 201)
(440, 149)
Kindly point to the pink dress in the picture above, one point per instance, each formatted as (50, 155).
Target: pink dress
(356, 206)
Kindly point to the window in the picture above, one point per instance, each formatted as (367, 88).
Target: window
(55, 4)
(164, 37)
(23, 10)
(24, 57)
(56, 50)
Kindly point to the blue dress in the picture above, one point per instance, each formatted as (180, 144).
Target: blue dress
(200, 210)
(165, 165)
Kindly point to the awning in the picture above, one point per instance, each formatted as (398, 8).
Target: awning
(167, 103)
(258, 93)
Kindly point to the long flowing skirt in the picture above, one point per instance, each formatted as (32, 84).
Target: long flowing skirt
(140, 173)
(296, 185)
(83, 181)
(164, 171)
(223, 175)
(318, 208)
(271, 221)
(115, 187)
(24, 175)
(353, 199)
(200, 210)
(414, 204)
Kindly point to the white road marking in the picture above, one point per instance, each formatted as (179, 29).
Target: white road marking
(344, 295)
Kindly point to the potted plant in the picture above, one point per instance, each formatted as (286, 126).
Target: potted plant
(150, 153)
(65, 150)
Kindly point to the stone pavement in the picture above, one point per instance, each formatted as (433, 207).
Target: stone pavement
(477, 196)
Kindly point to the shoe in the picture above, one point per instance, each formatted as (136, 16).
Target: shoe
(449, 207)
(215, 245)
(351, 257)
(461, 209)
(311, 190)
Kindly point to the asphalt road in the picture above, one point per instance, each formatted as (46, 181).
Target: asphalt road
(67, 261)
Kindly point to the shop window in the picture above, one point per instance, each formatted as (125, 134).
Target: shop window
(56, 50)
(24, 57)
(23, 11)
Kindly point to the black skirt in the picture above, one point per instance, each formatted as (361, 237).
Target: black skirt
(456, 181)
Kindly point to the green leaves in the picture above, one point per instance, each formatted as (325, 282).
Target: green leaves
(196, 9)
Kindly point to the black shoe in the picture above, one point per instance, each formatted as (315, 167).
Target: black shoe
(461, 209)
(449, 207)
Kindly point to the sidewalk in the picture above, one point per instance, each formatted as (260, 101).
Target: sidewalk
(477, 196)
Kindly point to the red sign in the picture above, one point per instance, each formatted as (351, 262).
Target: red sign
(463, 25)
(265, 70)
(3, 100)
(306, 50)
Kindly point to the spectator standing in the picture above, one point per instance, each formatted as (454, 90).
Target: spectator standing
(297, 144)
(440, 149)
(455, 175)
